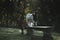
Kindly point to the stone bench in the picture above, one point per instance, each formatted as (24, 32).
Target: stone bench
(46, 31)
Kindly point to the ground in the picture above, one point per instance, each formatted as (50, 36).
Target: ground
(15, 34)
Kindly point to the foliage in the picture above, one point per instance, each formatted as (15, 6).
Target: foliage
(11, 10)
(27, 9)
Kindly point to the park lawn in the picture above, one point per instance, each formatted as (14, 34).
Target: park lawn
(15, 34)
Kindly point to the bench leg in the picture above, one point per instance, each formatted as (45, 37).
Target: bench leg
(29, 31)
(47, 35)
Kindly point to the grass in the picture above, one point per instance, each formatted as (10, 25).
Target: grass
(15, 34)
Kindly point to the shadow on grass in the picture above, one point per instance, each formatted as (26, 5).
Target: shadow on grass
(36, 38)
(33, 37)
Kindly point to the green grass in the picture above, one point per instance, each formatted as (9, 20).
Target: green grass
(15, 34)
